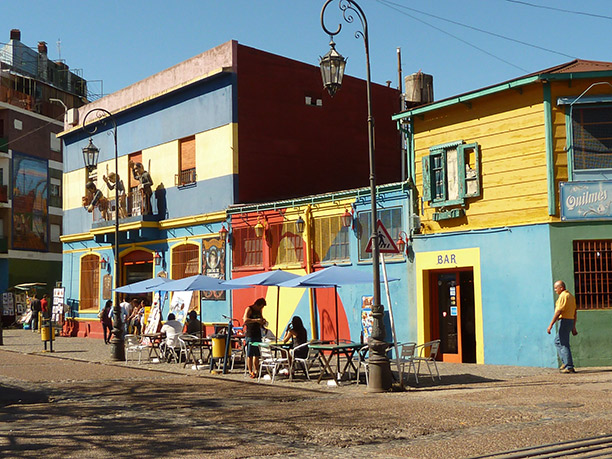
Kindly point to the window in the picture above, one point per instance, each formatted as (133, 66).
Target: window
(451, 173)
(55, 233)
(247, 249)
(593, 274)
(331, 240)
(187, 163)
(134, 196)
(54, 142)
(592, 137)
(286, 245)
(55, 192)
(90, 282)
(391, 218)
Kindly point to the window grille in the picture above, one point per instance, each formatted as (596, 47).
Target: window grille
(286, 246)
(593, 274)
(247, 247)
(592, 137)
(391, 218)
(331, 240)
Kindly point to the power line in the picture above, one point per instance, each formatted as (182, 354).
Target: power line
(391, 6)
(389, 3)
(31, 132)
(533, 5)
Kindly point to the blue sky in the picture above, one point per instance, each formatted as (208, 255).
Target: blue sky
(464, 44)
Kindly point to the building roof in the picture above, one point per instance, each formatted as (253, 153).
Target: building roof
(584, 69)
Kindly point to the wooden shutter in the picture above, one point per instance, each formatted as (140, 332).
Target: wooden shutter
(427, 178)
(187, 154)
(469, 181)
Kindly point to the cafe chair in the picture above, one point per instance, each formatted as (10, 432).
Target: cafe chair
(303, 364)
(427, 353)
(362, 362)
(407, 355)
(184, 352)
(133, 346)
(270, 363)
(238, 354)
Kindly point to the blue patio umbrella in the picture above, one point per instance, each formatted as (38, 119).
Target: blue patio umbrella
(334, 276)
(194, 283)
(268, 278)
(144, 286)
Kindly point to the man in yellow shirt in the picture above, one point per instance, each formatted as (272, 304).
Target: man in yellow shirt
(565, 312)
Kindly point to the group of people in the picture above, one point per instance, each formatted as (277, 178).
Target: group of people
(132, 317)
(39, 305)
(256, 327)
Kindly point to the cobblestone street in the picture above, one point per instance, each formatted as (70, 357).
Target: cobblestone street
(75, 402)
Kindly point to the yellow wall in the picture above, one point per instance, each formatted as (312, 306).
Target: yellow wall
(510, 130)
(216, 156)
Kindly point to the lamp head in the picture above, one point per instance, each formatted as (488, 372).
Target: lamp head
(332, 69)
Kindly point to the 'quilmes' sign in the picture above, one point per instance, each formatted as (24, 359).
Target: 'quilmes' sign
(586, 200)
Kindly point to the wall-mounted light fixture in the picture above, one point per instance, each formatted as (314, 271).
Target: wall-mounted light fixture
(299, 225)
(157, 257)
(259, 228)
(402, 242)
(347, 218)
(103, 263)
(223, 233)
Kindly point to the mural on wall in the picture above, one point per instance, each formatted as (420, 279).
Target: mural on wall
(213, 264)
(30, 194)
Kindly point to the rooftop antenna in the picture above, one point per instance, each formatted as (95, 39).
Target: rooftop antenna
(59, 49)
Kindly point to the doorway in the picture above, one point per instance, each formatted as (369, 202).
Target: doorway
(452, 317)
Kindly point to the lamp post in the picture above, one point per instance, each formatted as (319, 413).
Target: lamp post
(90, 156)
(332, 70)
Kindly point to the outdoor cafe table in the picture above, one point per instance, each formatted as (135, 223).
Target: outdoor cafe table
(327, 351)
(193, 344)
(155, 340)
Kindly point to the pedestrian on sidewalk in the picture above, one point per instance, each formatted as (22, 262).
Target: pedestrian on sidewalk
(565, 313)
(36, 309)
(106, 318)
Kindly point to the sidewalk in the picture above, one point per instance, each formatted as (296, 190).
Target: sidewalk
(94, 350)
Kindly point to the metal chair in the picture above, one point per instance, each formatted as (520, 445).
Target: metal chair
(362, 362)
(407, 354)
(184, 350)
(427, 352)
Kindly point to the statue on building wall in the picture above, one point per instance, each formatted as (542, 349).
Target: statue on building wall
(114, 180)
(145, 186)
(95, 198)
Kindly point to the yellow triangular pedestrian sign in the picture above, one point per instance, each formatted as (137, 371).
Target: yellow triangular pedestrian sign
(385, 242)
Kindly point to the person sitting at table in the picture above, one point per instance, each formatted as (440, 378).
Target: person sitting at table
(170, 332)
(193, 326)
(253, 319)
(296, 333)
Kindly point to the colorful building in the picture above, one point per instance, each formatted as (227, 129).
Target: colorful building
(514, 192)
(31, 165)
(231, 125)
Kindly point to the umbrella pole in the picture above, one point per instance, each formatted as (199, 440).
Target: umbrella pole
(277, 310)
(337, 330)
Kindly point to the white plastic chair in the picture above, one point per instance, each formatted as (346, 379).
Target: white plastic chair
(183, 352)
(302, 363)
(272, 364)
(133, 346)
(427, 352)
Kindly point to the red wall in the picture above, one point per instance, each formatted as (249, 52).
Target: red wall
(290, 149)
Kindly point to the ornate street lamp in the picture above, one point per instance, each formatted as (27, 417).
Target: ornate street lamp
(259, 229)
(90, 156)
(347, 219)
(402, 242)
(380, 371)
(223, 233)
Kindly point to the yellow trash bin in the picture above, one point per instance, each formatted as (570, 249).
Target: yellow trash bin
(218, 346)
(44, 333)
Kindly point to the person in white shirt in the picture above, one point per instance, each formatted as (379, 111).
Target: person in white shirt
(171, 330)
(126, 312)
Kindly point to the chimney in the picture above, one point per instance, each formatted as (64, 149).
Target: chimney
(42, 47)
(16, 34)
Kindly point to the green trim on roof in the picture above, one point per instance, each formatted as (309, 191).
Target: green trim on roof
(499, 88)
